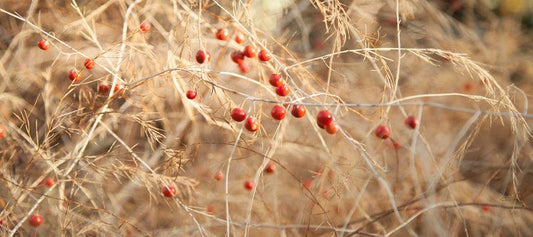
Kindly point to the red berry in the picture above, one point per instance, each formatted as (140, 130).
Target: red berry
(298, 111)
(307, 183)
(264, 56)
(318, 44)
(210, 209)
(146, 27)
(44, 44)
(456, 5)
(49, 182)
(469, 86)
(382, 132)
(411, 122)
(74, 75)
(203, 56)
(119, 88)
(282, 90)
(36, 220)
(270, 168)
(237, 57)
(89, 63)
(222, 34)
(324, 118)
(244, 67)
(103, 87)
(396, 145)
(191, 94)
(485, 208)
(169, 191)
(219, 176)
(331, 128)
(249, 51)
(239, 38)
(278, 112)
(248, 185)
(2, 131)
(238, 114)
(275, 80)
(251, 124)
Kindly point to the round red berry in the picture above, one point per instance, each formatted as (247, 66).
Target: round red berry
(282, 90)
(238, 114)
(396, 145)
(249, 185)
(485, 208)
(249, 51)
(44, 44)
(307, 183)
(382, 132)
(203, 56)
(278, 112)
(270, 168)
(264, 56)
(219, 176)
(89, 63)
(469, 86)
(222, 34)
(244, 67)
(324, 118)
(169, 191)
(103, 87)
(2, 131)
(120, 88)
(298, 111)
(74, 75)
(275, 80)
(331, 128)
(411, 122)
(251, 124)
(146, 27)
(239, 38)
(237, 57)
(36, 220)
(49, 182)
(191, 94)
(210, 209)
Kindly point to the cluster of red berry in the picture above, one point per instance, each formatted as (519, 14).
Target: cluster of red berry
(324, 118)
(237, 56)
(171, 191)
(75, 74)
(36, 220)
(249, 51)
(270, 168)
(281, 87)
(383, 131)
(278, 112)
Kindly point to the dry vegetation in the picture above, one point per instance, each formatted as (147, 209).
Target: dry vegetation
(462, 67)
